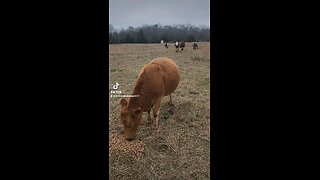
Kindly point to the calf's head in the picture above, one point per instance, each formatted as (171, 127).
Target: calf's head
(130, 119)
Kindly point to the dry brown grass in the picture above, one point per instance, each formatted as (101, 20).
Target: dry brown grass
(181, 150)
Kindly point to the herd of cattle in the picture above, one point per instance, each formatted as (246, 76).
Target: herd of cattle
(181, 45)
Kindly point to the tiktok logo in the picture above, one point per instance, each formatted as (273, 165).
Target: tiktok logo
(115, 87)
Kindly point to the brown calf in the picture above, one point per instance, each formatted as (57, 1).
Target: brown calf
(157, 79)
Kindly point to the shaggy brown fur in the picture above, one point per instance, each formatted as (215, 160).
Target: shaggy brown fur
(157, 79)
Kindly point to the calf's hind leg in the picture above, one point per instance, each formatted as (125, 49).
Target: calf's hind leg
(171, 109)
(170, 102)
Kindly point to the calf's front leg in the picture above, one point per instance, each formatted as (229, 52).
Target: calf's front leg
(156, 111)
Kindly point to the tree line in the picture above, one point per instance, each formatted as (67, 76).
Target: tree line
(156, 33)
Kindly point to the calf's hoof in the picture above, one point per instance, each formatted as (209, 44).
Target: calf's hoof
(148, 123)
(155, 127)
(171, 111)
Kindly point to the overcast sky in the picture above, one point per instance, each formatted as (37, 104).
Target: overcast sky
(125, 13)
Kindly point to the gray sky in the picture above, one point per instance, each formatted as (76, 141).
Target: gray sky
(125, 13)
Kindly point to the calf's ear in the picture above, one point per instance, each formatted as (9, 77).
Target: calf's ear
(123, 103)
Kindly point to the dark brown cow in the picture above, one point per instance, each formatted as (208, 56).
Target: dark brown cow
(195, 46)
(182, 45)
(157, 79)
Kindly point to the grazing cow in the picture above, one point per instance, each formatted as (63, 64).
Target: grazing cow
(166, 45)
(177, 46)
(195, 46)
(182, 45)
(157, 79)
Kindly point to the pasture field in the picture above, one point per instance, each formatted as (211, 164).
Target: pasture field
(181, 148)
